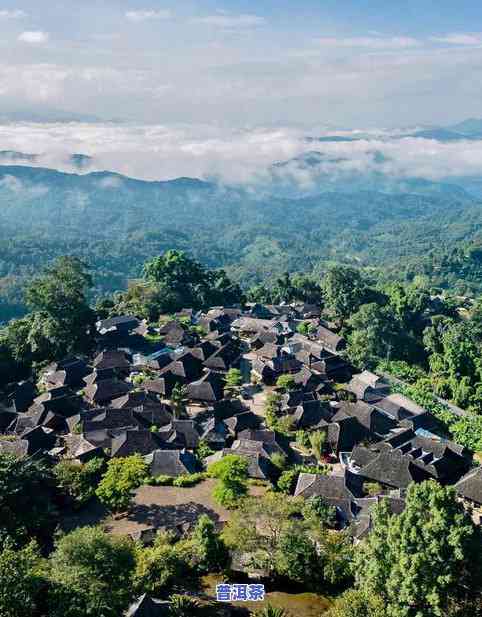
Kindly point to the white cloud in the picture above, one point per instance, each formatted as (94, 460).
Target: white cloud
(12, 14)
(370, 42)
(144, 15)
(110, 182)
(15, 185)
(157, 152)
(34, 37)
(459, 39)
(224, 20)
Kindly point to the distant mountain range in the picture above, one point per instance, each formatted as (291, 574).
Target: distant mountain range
(470, 129)
(45, 115)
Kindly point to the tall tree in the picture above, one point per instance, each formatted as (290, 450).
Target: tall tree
(425, 560)
(90, 574)
(61, 320)
(26, 507)
(20, 580)
(372, 335)
(344, 290)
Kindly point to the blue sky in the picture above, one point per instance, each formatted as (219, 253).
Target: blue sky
(240, 63)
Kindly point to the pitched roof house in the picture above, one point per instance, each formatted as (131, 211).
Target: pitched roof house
(106, 390)
(135, 441)
(111, 359)
(394, 469)
(329, 339)
(208, 389)
(171, 462)
(470, 487)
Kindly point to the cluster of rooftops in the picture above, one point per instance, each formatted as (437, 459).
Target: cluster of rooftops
(119, 402)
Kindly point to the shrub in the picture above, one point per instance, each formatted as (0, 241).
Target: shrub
(286, 382)
(160, 480)
(203, 450)
(158, 567)
(79, 481)
(123, 475)
(184, 606)
(372, 488)
(278, 460)
(287, 481)
(232, 473)
(189, 479)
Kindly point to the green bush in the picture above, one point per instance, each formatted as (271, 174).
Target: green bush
(77, 480)
(203, 450)
(189, 479)
(232, 473)
(123, 475)
(161, 480)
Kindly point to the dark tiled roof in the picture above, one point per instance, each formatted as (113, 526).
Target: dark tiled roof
(271, 440)
(133, 441)
(329, 339)
(99, 375)
(78, 447)
(242, 421)
(171, 462)
(39, 439)
(204, 350)
(181, 431)
(369, 417)
(345, 432)
(109, 419)
(222, 359)
(209, 388)
(22, 396)
(214, 432)
(361, 456)
(187, 367)
(399, 406)
(106, 390)
(6, 419)
(111, 360)
(313, 414)
(470, 486)
(345, 486)
(395, 469)
(123, 323)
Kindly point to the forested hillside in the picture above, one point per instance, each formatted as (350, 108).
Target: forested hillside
(116, 223)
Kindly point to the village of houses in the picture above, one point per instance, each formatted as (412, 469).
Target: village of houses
(119, 402)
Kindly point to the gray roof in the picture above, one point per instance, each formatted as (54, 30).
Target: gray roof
(395, 469)
(470, 486)
(334, 486)
(171, 462)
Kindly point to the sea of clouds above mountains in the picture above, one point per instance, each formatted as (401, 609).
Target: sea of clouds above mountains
(154, 152)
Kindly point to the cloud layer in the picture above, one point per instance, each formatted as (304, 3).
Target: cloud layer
(156, 152)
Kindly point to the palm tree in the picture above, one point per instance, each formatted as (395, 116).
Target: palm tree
(183, 606)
